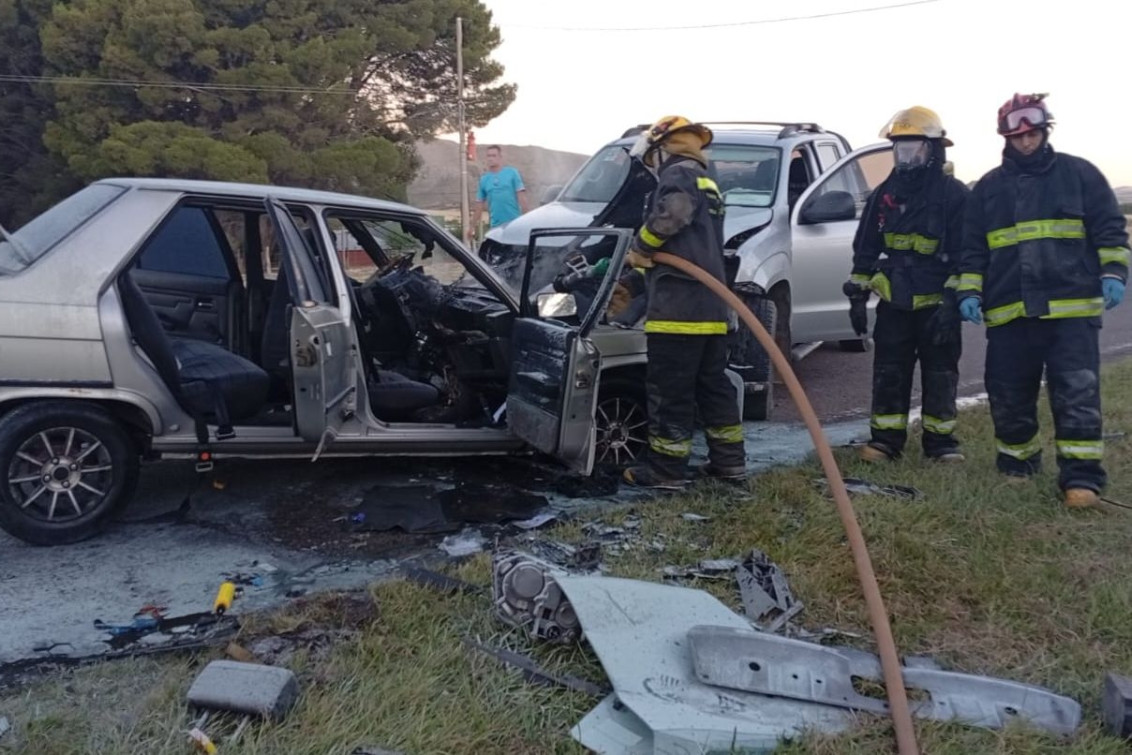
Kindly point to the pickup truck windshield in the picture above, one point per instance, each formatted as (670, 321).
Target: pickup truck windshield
(747, 175)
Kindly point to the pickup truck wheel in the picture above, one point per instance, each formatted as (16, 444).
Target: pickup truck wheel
(751, 361)
(66, 469)
(622, 424)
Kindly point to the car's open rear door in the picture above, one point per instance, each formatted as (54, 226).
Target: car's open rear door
(322, 351)
(556, 367)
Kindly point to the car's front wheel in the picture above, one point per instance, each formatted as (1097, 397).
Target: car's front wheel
(622, 424)
(66, 468)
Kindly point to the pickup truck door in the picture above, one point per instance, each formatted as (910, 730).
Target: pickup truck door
(322, 349)
(555, 367)
(824, 221)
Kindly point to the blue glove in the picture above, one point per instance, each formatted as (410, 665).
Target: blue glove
(972, 310)
(1113, 292)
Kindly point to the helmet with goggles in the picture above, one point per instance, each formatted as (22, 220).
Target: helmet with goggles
(1023, 113)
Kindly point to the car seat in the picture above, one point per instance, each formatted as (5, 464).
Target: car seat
(208, 381)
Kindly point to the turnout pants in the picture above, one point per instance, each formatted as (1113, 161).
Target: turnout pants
(902, 337)
(686, 376)
(1069, 351)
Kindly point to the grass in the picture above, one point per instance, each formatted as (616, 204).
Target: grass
(987, 577)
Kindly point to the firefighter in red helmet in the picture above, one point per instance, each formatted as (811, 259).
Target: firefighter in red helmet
(1045, 252)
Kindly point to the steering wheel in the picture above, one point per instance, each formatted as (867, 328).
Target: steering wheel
(400, 264)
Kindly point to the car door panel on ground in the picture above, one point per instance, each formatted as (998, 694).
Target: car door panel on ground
(186, 275)
(823, 240)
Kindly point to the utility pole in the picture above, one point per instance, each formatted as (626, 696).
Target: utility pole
(463, 156)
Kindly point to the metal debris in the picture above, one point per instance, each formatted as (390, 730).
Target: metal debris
(639, 632)
(536, 521)
(4, 726)
(466, 543)
(766, 596)
(535, 673)
(859, 486)
(584, 557)
(757, 662)
(711, 568)
(1117, 705)
(695, 518)
(526, 595)
(441, 582)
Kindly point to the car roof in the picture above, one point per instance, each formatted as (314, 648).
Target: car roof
(262, 191)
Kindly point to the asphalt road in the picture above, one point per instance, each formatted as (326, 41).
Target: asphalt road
(839, 384)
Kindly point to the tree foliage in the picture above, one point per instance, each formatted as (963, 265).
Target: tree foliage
(321, 93)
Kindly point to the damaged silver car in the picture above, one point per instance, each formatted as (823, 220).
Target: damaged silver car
(142, 318)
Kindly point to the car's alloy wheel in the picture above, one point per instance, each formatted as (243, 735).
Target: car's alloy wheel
(622, 430)
(59, 474)
(66, 466)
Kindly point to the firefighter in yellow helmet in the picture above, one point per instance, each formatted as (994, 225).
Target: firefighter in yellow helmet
(686, 324)
(907, 252)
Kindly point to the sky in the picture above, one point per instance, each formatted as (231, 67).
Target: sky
(849, 73)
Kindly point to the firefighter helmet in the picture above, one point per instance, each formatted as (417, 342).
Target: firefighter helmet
(1022, 113)
(656, 134)
(915, 121)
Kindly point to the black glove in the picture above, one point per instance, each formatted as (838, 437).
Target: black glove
(858, 306)
(944, 322)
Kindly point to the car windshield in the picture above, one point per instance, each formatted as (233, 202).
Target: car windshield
(600, 178)
(747, 176)
(37, 237)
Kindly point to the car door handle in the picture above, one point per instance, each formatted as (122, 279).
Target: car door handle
(205, 304)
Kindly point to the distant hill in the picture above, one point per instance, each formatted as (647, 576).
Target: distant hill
(437, 185)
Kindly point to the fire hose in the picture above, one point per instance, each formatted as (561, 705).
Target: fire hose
(878, 615)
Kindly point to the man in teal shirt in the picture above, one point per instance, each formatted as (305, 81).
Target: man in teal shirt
(501, 190)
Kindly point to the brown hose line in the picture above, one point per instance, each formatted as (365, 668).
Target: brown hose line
(882, 630)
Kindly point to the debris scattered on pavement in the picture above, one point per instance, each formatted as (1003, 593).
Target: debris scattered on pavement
(536, 674)
(584, 557)
(767, 598)
(1117, 705)
(803, 671)
(480, 503)
(411, 508)
(526, 595)
(859, 486)
(466, 543)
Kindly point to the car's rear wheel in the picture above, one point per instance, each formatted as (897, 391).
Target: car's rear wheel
(622, 424)
(67, 467)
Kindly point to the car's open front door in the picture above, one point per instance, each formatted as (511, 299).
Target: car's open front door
(555, 367)
(322, 350)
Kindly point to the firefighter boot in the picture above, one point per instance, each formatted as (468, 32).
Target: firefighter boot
(644, 476)
(1081, 498)
(875, 453)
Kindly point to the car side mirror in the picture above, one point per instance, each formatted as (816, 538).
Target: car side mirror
(557, 305)
(829, 208)
(550, 193)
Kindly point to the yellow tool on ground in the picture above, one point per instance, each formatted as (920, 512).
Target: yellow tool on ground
(224, 598)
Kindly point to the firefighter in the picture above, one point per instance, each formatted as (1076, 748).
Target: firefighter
(686, 324)
(1045, 252)
(907, 251)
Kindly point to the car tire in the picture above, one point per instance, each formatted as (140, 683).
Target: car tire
(621, 420)
(65, 469)
(856, 345)
(752, 362)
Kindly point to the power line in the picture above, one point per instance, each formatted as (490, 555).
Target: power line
(730, 24)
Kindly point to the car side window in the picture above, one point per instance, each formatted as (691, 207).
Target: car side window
(857, 178)
(829, 153)
(186, 244)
